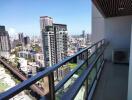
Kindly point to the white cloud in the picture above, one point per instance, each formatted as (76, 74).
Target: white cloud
(12, 32)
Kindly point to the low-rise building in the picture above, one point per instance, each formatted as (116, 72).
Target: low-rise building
(39, 59)
(26, 54)
(23, 65)
(6, 82)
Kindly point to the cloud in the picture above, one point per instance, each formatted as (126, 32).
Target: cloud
(12, 32)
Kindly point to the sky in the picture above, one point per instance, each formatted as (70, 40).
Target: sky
(24, 15)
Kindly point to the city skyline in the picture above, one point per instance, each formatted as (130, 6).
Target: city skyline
(21, 16)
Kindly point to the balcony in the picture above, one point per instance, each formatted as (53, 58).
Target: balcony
(112, 20)
(98, 79)
(113, 82)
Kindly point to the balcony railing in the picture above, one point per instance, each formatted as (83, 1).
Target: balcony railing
(89, 63)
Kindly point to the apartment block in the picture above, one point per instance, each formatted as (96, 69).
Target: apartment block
(54, 39)
(4, 42)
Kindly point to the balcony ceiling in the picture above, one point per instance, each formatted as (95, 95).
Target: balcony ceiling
(113, 8)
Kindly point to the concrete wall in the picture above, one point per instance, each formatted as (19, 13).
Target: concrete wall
(130, 72)
(118, 33)
(117, 30)
(98, 26)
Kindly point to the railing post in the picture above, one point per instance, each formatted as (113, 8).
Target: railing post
(51, 94)
(96, 53)
(86, 81)
(102, 44)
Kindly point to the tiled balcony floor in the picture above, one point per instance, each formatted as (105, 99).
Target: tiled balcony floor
(113, 83)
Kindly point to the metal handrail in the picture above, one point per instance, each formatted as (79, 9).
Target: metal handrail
(66, 78)
(25, 84)
(16, 72)
(71, 93)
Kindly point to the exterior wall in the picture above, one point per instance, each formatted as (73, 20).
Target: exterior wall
(98, 25)
(45, 21)
(26, 55)
(54, 40)
(61, 40)
(61, 33)
(116, 30)
(39, 59)
(118, 33)
(4, 42)
(49, 48)
(130, 72)
(21, 37)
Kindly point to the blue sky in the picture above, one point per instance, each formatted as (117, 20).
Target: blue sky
(23, 15)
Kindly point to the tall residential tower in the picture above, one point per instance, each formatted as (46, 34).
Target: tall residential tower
(54, 40)
(20, 37)
(4, 42)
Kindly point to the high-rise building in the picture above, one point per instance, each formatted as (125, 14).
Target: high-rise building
(83, 34)
(60, 31)
(49, 46)
(15, 43)
(26, 40)
(48, 40)
(54, 39)
(5, 46)
(20, 37)
(45, 21)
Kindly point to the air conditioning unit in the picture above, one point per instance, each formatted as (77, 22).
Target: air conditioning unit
(120, 56)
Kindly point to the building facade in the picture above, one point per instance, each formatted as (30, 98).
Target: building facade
(54, 40)
(5, 47)
(20, 37)
(26, 40)
(45, 21)
(61, 41)
(49, 49)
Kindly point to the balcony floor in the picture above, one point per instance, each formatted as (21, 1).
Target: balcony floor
(113, 83)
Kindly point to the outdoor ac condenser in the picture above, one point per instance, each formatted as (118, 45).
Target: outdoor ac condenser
(120, 56)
